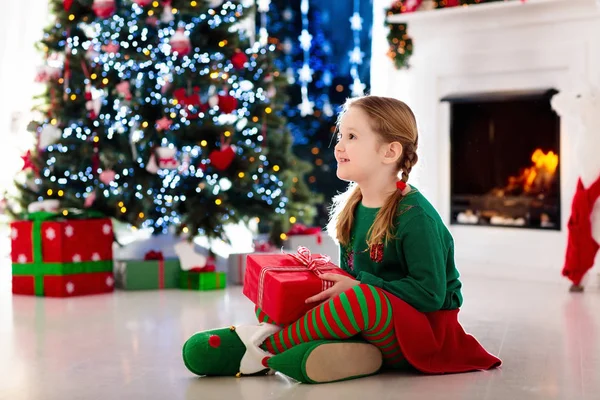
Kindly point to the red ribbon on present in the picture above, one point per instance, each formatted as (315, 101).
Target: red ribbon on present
(299, 229)
(316, 265)
(208, 268)
(157, 256)
(154, 255)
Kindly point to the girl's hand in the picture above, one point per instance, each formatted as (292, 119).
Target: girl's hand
(342, 283)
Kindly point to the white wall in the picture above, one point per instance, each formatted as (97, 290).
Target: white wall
(487, 48)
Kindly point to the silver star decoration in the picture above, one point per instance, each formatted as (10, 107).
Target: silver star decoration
(306, 107)
(305, 74)
(287, 14)
(356, 22)
(305, 40)
(304, 6)
(358, 88)
(264, 5)
(356, 56)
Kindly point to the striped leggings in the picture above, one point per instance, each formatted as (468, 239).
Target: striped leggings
(363, 309)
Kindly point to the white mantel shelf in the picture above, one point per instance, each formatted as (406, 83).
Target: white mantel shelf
(506, 14)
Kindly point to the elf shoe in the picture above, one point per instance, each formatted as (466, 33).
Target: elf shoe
(326, 361)
(231, 351)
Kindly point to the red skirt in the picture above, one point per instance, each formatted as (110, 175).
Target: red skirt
(436, 343)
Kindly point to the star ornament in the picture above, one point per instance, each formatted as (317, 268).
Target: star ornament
(28, 163)
(306, 107)
(305, 40)
(356, 22)
(163, 124)
(305, 73)
(358, 88)
(264, 5)
(356, 56)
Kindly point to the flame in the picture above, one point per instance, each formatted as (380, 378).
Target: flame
(539, 176)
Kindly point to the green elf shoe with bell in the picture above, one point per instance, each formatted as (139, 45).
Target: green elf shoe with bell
(230, 351)
(236, 351)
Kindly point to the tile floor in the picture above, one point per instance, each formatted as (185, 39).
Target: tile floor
(127, 346)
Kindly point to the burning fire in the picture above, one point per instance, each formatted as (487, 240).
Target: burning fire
(539, 177)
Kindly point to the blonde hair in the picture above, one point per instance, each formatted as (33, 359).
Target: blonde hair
(393, 121)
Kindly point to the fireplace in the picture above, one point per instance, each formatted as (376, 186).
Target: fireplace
(504, 160)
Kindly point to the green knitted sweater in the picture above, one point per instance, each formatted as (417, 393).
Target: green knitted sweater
(417, 265)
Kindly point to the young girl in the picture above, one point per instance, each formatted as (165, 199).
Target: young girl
(401, 304)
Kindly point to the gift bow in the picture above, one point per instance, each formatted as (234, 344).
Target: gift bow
(313, 264)
(316, 265)
(154, 255)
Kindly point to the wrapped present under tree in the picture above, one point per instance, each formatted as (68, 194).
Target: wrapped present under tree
(151, 273)
(59, 256)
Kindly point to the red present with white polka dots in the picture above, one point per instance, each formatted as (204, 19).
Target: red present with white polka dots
(75, 257)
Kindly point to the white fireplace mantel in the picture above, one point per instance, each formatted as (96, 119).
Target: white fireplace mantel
(493, 47)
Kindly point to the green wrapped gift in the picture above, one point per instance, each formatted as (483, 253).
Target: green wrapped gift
(194, 280)
(147, 274)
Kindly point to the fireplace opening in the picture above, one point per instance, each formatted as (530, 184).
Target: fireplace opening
(505, 153)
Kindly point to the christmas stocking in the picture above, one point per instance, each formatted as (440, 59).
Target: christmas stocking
(581, 247)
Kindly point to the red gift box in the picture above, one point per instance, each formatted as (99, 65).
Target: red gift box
(61, 258)
(280, 283)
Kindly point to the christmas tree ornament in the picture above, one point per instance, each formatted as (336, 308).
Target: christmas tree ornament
(167, 15)
(163, 124)
(107, 177)
(104, 8)
(227, 103)
(142, 3)
(411, 5)
(167, 157)
(221, 159)
(180, 43)
(28, 162)
(124, 89)
(239, 59)
(152, 165)
(89, 200)
(67, 4)
(93, 102)
(111, 48)
(49, 134)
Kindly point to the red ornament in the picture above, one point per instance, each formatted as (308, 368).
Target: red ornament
(222, 159)
(452, 3)
(227, 103)
(142, 3)
(214, 341)
(28, 163)
(239, 59)
(104, 8)
(67, 4)
(192, 100)
(180, 43)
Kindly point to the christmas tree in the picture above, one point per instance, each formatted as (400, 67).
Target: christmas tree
(164, 113)
(317, 87)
